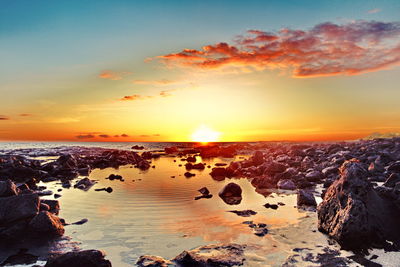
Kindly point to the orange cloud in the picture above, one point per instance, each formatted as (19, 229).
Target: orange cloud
(111, 75)
(162, 82)
(164, 93)
(25, 115)
(85, 136)
(4, 118)
(327, 49)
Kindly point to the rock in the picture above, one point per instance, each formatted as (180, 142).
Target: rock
(394, 167)
(305, 198)
(273, 167)
(218, 173)
(113, 177)
(44, 207)
(171, 150)
(286, 185)
(47, 223)
(353, 213)
(271, 206)
(225, 255)
(258, 158)
(314, 176)
(263, 182)
(7, 189)
(21, 258)
(204, 191)
(137, 147)
(53, 204)
(243, 213)
(153, 261)
(392, 180)
(18, 207)
(84, 184)
(191, 159)
(85, 258)
(107, 189)
(188, 174)
(231, 194)
(332, 170)
(80, 222)
(197, 166)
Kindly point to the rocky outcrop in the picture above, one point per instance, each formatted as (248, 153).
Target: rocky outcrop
(18, 207)
(86, 258)
(354, 214)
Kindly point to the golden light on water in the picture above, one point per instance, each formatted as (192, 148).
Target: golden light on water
(204, 134)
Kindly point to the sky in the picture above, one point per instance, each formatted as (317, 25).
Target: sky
(161, 70)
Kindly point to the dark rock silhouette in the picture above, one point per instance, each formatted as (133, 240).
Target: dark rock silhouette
(231, 194)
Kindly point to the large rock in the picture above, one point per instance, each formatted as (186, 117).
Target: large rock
(224, 255)
(231, 194)
(7, 189)
(305, 198)
(85, 258)
(18, 207)
(47, 223)
(153, 261)
(353, 214)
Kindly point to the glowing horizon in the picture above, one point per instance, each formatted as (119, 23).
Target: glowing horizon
(132, 71)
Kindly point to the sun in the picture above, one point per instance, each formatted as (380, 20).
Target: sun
(203, 134)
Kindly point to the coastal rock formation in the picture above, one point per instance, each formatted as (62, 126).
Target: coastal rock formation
(87, 258)
(47, 223)
(354, 214)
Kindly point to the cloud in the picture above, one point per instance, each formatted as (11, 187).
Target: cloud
(162, 82)
(4, 118)
(25, 115)
(104, 136)
(124, 135)
(327, 49)
(373, 11)
(164, 93)
(85, 136)
(111, 75)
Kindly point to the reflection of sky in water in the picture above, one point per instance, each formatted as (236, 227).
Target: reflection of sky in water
(158, 214)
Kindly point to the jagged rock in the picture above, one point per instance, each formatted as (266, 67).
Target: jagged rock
(231, 194)
(353, 214)
(85, 258)
(213, 255)
(18, 207)
(47, 223)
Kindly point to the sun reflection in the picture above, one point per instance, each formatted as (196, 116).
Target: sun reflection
(204, 134)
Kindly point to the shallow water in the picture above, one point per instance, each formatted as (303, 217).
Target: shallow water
(153, 213)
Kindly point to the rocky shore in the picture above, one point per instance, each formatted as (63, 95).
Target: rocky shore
(359, 183)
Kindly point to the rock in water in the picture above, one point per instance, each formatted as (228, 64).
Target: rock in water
(305, 198)
(47, 223)
(212, 255)
(353, 214)
(286, 185)
(231, 194)
(85, 258)
(153, 261)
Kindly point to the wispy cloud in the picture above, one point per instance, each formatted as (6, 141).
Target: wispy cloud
(104, 136)
(327, 49)
(373, 11)
(164, 93)
(162, 82)
(85, 136)
(25, 115)
(112, 75)
(4, 118)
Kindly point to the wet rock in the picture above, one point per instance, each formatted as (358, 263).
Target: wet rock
(271, 206)
(80, 222)
(332, 170)
(220, 164)
(191, 159)
(86, 258)
(84, 184)
(213, 255)
(7, 189)
(137, 147)
(231, 194)
(218, 173)
(394, 167)
(147, 155)
(47, 223)
(113, 177)
(305, 198)
(273, 167)
(286, 185)
(153, 261)
(171, 150)
(53, 204)
(353, 213)
(258, 158)
(189, 174)
(18, 207)
(263, 182)
(107, 189)
(314, 176)
(243, 213)
(21, 258)
(197, 166)
(205, 193)
(44, 207)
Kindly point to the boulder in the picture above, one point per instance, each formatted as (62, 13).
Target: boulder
(225, 255)
(286, 185)
(218, 173)
(354, 214)
(231, 194)
(273, 167)
(7, 189)
(305, 198)
(314, 176)
(47, 223)
(18, 207)
(85, 258)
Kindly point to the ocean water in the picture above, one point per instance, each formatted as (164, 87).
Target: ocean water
(154, 212)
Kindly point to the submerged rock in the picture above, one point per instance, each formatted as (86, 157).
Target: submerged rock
(85, 258)
(231, 194)
(354, 215)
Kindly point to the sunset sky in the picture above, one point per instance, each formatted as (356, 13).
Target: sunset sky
(160, 70)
